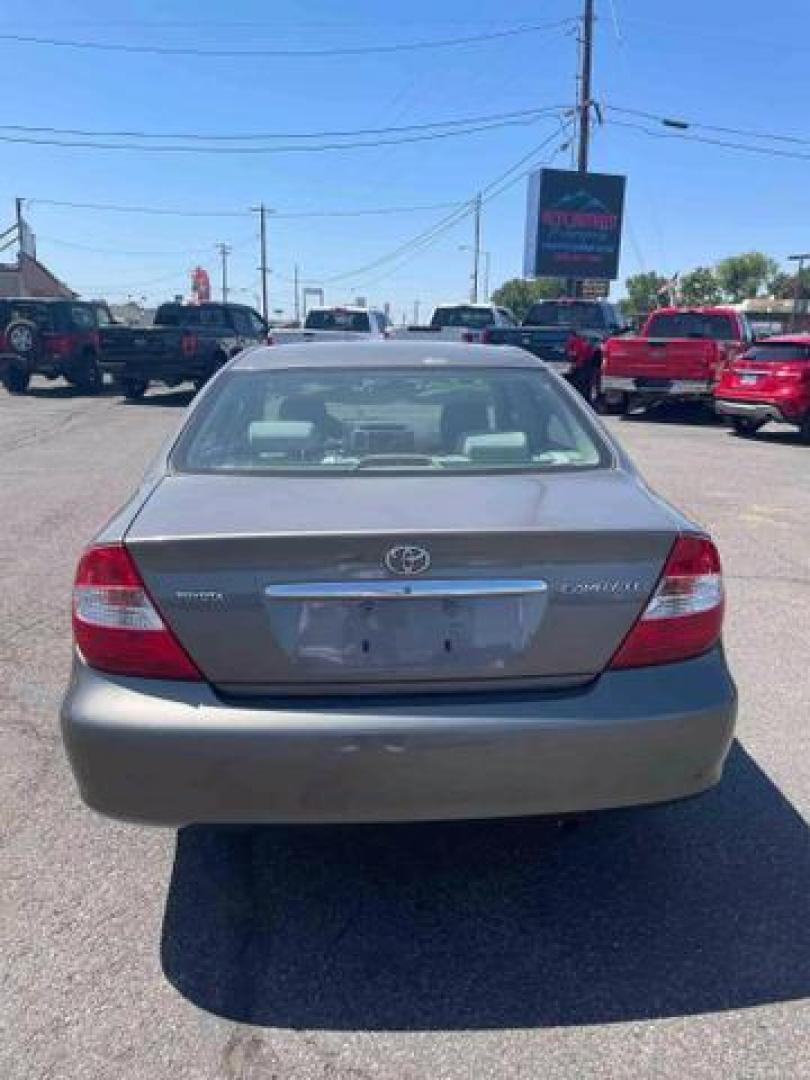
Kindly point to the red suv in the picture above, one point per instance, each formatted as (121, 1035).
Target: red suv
(51, 337)
(770, 381)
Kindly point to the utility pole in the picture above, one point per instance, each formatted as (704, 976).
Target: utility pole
(262, 211)
(584, 107)
(476, 249)
(297, 294)
(224, 251)
(797, 289)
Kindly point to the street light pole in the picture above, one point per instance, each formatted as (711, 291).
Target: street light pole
(224, 252)
(574, 287)
(797, 289)
(476, 248)
(262, 211)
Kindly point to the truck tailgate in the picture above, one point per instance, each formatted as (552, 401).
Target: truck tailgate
(659, 358)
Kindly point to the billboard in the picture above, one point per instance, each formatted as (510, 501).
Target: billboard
(200, 285)
(573, 225)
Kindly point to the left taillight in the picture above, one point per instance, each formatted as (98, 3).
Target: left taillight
(577, 349)
(684, 616)
(116, 626)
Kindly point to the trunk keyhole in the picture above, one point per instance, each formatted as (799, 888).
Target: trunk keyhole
(448, 645)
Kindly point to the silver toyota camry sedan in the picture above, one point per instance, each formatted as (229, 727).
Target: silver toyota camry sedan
(389, 582)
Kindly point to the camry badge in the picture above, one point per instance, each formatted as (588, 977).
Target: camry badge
(406, 560)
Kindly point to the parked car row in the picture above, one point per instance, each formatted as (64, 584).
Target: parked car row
(704, 354)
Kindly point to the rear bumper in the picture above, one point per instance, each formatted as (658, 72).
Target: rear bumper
(172, 753)
(753, 410)
(141, 367)
(681, 388)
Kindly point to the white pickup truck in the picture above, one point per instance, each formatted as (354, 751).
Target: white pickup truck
(334, 324)
(459, 322)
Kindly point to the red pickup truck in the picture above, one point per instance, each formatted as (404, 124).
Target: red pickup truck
(679, 353)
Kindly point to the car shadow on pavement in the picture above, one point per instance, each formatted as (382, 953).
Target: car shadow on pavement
(689, 908)
(685, 413)
(169, 399)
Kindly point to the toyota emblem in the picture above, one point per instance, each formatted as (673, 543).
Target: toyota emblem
(405, 560)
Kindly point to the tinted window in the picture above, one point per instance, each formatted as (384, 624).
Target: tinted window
(82, 318)
(173, 315)
(241, 322)
(507, 318)
(469, 318)
(692, 324)
(779, 352)
(336, 319)
(349, 420)
(257, 325)
(41, 314)
(551, 313)
(103, 317)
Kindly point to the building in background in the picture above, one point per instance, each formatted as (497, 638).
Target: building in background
(28, 277)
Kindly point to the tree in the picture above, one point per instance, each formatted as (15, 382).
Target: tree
(783, 286)
(699, 286)
(643, 294)
(741, 277)
(518, 294)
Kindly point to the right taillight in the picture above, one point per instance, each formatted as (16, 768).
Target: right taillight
(684, 616)
(188, 344)
(116, 626)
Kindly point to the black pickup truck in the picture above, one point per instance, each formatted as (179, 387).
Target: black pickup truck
(186, 343)
(568, 335)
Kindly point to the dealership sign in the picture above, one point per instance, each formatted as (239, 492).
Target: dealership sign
(573, 225)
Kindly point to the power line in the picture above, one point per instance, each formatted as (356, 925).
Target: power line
(166, 211)
(198, 136)
(678, 123)
(427, 236)
(173, 148)
(765, 151)
(348, 50)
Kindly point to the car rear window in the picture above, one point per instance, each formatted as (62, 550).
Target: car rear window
(692, 324)
(470, 318)
(408, 420)
(581, 316)
(43, 315)
(338, 320)
(779, 352)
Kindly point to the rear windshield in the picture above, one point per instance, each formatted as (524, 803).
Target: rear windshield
(190, 315)
(581, 316)
(469, 318)
(408, 420)
(338, 320)
(779, 352)
(692, 324)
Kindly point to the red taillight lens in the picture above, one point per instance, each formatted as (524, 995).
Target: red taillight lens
(684, 617)
(188, 344)
(115, 624)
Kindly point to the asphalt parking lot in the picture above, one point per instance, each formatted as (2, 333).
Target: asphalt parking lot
(667, 942)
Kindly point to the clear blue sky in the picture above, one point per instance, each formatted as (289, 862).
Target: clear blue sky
(728, 62)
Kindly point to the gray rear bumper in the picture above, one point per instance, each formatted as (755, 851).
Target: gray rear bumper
(755, 410)
(171, 753)
(678, 388)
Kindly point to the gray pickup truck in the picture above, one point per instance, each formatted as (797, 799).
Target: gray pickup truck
(186, 343)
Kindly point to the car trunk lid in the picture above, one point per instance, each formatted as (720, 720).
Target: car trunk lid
(284, 585)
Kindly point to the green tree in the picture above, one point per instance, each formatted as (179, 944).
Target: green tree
(741, 277)
(699, 286)
(783, 286)
(518, 294)
(644, 293)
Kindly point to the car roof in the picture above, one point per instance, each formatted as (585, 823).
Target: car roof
(318, 354)
(44, 300)
(695, 309)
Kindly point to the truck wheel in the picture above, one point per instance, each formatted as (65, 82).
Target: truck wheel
(16, 380)
(745, 425)
(87, 379)
(134, 389)
(616, 403)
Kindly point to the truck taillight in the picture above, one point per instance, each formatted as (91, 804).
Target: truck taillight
(684, 616)
(116, 626)
(188, 344)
